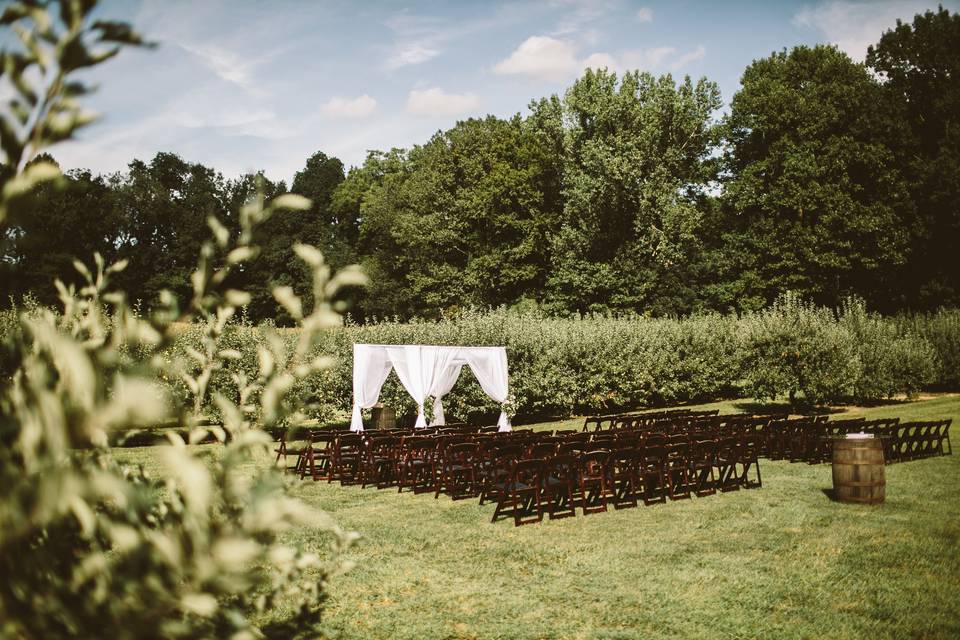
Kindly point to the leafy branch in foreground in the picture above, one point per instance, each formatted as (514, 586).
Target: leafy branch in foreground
(43, 107)
(91, 547)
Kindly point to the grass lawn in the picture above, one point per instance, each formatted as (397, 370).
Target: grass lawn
(782, 561)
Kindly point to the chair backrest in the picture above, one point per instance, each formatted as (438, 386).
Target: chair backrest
(624, 460)
(348, 441)
(594, 462)
(654, 440)
(528, 472)
(563, 468)
(419, 448)
(703, 450)
(600, 423)
(541, 450)
(505, 451)
(574, 448)
(381, 445)
(321, 438)
(462, 453)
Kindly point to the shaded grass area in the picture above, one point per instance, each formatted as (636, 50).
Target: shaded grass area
(782, 561)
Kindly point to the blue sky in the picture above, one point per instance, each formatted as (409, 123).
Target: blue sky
(247, 85)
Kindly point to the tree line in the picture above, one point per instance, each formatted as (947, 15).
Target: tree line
(825, 177)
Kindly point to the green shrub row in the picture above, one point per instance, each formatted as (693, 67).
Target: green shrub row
(593, 364)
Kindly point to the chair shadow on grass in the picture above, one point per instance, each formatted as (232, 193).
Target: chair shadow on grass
(830, 493)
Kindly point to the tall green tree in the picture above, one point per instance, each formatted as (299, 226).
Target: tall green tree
(920, 67)
(814, 198)
(275, 265)
(463, 221)
(327, 227)
(635, 172)
(370, 193)
(164, 206)
(65, 219)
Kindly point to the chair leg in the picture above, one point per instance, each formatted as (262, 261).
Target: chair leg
(705, 485)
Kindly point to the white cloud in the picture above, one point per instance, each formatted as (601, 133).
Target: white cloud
(647, 59)
(687, 58)
(360, 107)
(437, 102)
(601, 61)
(550, 59)
(581, 13)
(233, 67)
(412, 53)
(419, 38)
(853, 26)
(541, 57)
(645, 14)
(225, 64)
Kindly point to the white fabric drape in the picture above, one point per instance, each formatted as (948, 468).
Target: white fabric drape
(426, 370)
(371, 366)
(442, 384)
(490, 368)
(414, 366)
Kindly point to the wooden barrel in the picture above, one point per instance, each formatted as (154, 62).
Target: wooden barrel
(383, 417)
(858, 470)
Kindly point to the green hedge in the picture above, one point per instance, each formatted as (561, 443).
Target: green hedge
(592, 364)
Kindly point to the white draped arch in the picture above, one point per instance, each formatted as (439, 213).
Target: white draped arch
(426, 370)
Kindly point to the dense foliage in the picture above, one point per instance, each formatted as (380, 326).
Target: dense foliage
(827, 177)
(90, 547)
(599, 363)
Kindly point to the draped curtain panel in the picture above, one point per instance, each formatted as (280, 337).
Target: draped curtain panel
(426, 370)
(371, 366)
(441, 387)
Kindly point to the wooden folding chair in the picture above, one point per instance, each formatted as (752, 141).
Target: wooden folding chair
(943, 438)
(624, 477)
(910, 438)
(559, 487)
(728, 464)
(701, 464)
(379, 461)
(594, 480)
(749, 458)
(519, 494)
(315, 459)
(345, 458)
(496, 463)
(677, 468)
(288, 447)
(415, 466)
(457, 471)
(652, 468)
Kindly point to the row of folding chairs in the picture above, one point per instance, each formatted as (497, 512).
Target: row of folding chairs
(606, 468)
(812, 442)
(914, 440)
(806, 439)
(634, 420)
(655, 470)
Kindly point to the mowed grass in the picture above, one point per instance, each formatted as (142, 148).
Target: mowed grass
(782, 561)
